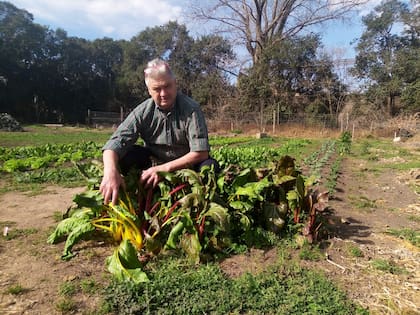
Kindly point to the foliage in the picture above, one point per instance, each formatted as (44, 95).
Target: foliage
(387, 266)
(344, 143)
(408, 234)
(53, 163)
(385, 57)
(195, 212)
(65, 76)
(16, 289)
(179, 288)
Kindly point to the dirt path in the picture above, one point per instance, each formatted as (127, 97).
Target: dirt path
(33, 267)
(379, 270)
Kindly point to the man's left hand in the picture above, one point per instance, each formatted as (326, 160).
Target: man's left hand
(149, 177)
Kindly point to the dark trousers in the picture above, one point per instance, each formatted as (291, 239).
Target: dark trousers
(140, 157)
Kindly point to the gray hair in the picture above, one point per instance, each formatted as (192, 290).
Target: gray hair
(155, 69)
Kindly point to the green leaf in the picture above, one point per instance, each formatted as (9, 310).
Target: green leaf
(124, 264)
(67, 225)
(292, 199)
(173, 237)
(82, 231)
(191, 246)
(300, 186)
(90, 199)
(192, 177)
(283, 179)
(273, 217)
(221, 184)
(191, 200)
(242, 178)
(219, 215)
(241, 205)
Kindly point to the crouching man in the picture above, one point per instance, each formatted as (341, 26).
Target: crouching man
(173, 130)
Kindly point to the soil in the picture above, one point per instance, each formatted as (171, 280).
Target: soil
(358, 239)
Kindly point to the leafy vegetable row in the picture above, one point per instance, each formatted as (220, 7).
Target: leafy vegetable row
(197, 213)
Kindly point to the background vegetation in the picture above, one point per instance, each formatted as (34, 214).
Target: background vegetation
(48, 76)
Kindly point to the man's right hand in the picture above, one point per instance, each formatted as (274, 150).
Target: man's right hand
(110, 186)
(112, 179)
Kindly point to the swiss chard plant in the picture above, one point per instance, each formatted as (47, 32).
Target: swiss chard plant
(193, 212)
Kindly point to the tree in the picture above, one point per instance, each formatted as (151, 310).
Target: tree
(296, 78)
(21, 51)
(260, 24)
(195, 62)
(387, 59)
(264, 28)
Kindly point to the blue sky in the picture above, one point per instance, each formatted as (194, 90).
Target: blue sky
(122, 19)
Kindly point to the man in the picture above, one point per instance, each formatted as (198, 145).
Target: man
(172, 127)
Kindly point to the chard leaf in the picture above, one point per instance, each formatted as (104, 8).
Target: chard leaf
(191, 246)
(90, 199)
(81, 230)
(124, 264)
(67, 225)
(292, 199)
(192, 177)
(241, 205)
(219, 215)
(300, 186)
(221, 184)
(190, 201)
(283, 179)
(173, 237)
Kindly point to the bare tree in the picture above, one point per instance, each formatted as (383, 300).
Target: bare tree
(257, 24)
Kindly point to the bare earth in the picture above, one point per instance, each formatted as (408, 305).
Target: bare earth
(30, 262)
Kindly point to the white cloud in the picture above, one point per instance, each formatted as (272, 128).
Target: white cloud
(99, 18)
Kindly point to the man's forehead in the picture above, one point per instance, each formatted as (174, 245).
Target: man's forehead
(161, 81)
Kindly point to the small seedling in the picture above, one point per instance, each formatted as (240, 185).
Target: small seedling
(16, 289)
(65, 306)
(67, 288)
(355, 251)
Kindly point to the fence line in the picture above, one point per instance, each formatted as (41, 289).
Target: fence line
(101, 117)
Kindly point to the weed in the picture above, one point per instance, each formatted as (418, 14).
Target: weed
(88, 286)
(364, 203)
(179, 288)
(16, 289)
(65, 306)
(414, 218)
(67, 288)
(311, 253)
(387, 266)
(355, 251)
(16, 233)
(407, 234)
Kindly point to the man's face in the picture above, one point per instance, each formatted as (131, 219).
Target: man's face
(163, 90)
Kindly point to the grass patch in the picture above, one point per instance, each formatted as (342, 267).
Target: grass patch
(362, 202)
(66, 306)
(407, 234)
(310, 253)
(35, 135)
(16, 289)
(355, 251)
(67, 289)
(89, 286)
(387, 266)
(179, 288)
(16, 233)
